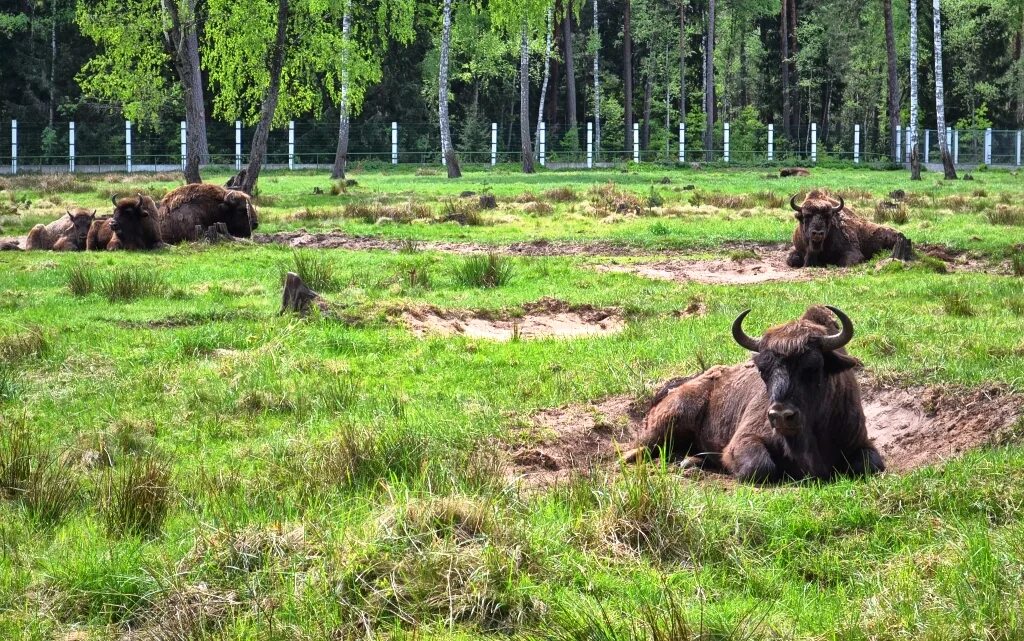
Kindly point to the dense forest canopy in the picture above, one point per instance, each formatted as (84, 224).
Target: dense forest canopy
(98, 61)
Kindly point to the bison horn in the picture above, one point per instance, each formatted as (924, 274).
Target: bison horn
(113, 199)
(835, 341)
(139, 205)
(838, 208)
(752, 344)
(792, 203)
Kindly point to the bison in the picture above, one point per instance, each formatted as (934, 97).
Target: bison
(191, 206)
(830, 233)
(132, 226)
(793, 411)
(67, 233)
(787, 172)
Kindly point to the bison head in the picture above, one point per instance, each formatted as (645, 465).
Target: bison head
(81, 221)
(817, 216)
(129, 216)
(239, 214)
(795, 360)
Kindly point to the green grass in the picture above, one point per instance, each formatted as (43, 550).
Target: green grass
(283, 478)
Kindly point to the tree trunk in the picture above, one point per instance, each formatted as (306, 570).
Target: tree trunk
(526, 148)
(341, 155)
(627, 73)
(787, 105)
(940, 100)
(181, 40)
(53, 61)
(682, 60)
(709, 85)
(570, 68)
(451, 160)
(645, 129)
(915, 155)
(597, 86)
(258, 151)
(547, 77)
(893, 100)
(794, 82)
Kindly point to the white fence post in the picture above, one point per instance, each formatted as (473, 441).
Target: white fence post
(71, 146)
(988, 146)
(291, 145)
(682, 142)
(814, 142)
(771, 142)
(14, 146)
(899, 143)
(927, 146)
(636, 142)
(183, 148)
(238, 145)
(856, 144)
(725, 141)
(949, 141)
(590, 145)
(1018, 147)
(956, 146)
(543, 142)
(128, 146)
(494, 144)
(394, 142)
(909, 145)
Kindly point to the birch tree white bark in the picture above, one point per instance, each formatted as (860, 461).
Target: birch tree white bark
(451, 160)
(940, 100)
(547, 77)
(526, 147)
(915, 155)
(596, 45)
(341, 155)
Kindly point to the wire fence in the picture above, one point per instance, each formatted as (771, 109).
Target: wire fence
(105, 146)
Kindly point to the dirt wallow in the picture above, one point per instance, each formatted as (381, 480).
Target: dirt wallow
(545, 318)
(911, 426)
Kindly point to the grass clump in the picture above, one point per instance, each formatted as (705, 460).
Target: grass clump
(461, 212)
(314, 268)
(21, 346)
(487, 271)
(128, 284)
(1006, 215)
(892, 212)
(9, 387)
(1017, 263)
(37, 478)
(136, 498)
(80, 279)
(957, 304)
(561, 195)
(654, 199)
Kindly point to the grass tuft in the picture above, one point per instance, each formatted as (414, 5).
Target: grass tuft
(80, 279)
(561, 195)
(314, 268)
(1006, 215)
(1017, 263)
(128, 284)
(892, 212)
(22, 346)
(37, 478)
(136, 498)
(491, 270)
(957, 304)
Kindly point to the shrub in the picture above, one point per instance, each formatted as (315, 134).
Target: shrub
(654, 199)
(491, 270)
(136, 498)
(127, 284)
(80, 280)
(313, 268)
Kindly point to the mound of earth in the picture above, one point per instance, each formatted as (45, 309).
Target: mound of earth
(745, 271)
(912, 427)
(543, 319)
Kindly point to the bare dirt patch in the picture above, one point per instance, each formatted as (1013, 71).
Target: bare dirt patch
(912, 427)
(546, 318)
(768, 267)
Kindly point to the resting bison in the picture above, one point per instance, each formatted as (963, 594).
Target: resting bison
(189, 206)
(793, 171)
(830, 233)
(132, 226)
(793, 411)
(67, 233)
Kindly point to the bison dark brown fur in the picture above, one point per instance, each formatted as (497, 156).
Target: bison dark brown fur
(793, 171)
(829, 232)
(67, 233)
(794, 410)
(132, 226)
(205, 205)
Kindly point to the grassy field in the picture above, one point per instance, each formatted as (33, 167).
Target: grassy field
(179, 461)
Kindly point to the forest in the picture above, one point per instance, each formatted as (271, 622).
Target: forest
(368, 63)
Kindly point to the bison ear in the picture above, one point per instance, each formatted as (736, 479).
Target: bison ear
(70, 217)
(837, 362)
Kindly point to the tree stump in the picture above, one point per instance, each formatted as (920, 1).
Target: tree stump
(297, 297)
(488, 201)
(903, 249)
(236, 181)
(215, 233)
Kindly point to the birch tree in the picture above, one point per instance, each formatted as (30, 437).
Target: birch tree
(709, 84)
(915, 156)
(547, 72)
(451, 160)
(893, 105)
(940, 100)
(595, 47)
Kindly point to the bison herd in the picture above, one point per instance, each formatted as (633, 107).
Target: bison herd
(139, 223)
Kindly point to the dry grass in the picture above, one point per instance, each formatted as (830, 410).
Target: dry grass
(462, 212)
(376, 212)
(538, 208)
(769, 199)
(561, 195)
(18, 347)
(608, 199)
(1006, 215)
(136, 498)
(891, 212)
(526, 197)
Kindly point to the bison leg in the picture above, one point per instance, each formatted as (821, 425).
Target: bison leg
(795, 259)
(64, 245)
(672, 423)
(750, 461)
(850, 258)
(903, 249)
(115, 244)
(35, 238)
(864, 461)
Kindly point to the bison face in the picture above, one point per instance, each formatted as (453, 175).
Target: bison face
(816, 218)
(794, 364)
(128, 219)
(239, 214)
(81, 221)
